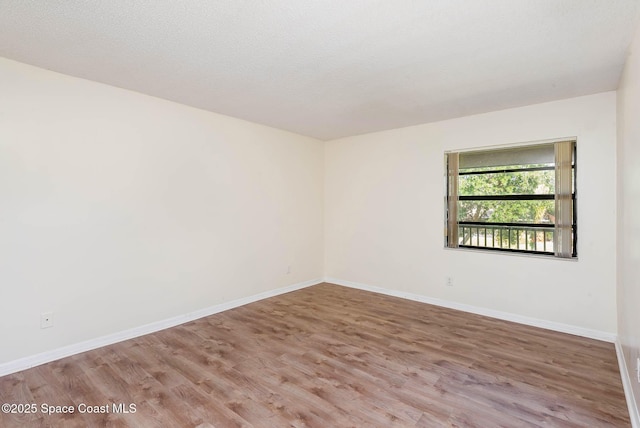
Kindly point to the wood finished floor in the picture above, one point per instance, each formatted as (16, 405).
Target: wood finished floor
(328, 356)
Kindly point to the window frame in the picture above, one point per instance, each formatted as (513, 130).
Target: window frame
(529, 197)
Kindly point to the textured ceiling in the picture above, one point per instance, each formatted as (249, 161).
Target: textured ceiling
(331, 68)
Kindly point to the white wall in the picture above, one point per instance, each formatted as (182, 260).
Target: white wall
(629, 214)
(119, 209)
(384, 215)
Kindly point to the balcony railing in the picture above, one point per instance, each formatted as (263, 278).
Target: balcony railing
(517, 237)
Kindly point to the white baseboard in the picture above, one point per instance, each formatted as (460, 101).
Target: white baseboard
(507, 316)
(634, 413)
(66, 351)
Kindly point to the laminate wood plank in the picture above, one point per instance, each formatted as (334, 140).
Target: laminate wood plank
(46, 391)
(329, 356)
(347, 398)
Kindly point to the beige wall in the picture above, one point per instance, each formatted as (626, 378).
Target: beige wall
(119, 209)
(384, 215)
(629, 214)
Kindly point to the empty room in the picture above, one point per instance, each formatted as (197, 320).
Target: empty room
(320, 213)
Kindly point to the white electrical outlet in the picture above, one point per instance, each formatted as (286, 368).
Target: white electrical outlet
(288, 269)
(46, 319)
(448, 281)
(638, 369)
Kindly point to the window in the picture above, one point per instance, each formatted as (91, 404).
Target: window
(519, 199)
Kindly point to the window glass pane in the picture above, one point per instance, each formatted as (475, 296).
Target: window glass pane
(507, 237)
(509, 183)
(505, 199)
(541, 212)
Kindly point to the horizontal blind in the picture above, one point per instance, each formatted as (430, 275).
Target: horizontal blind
(529, 155)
